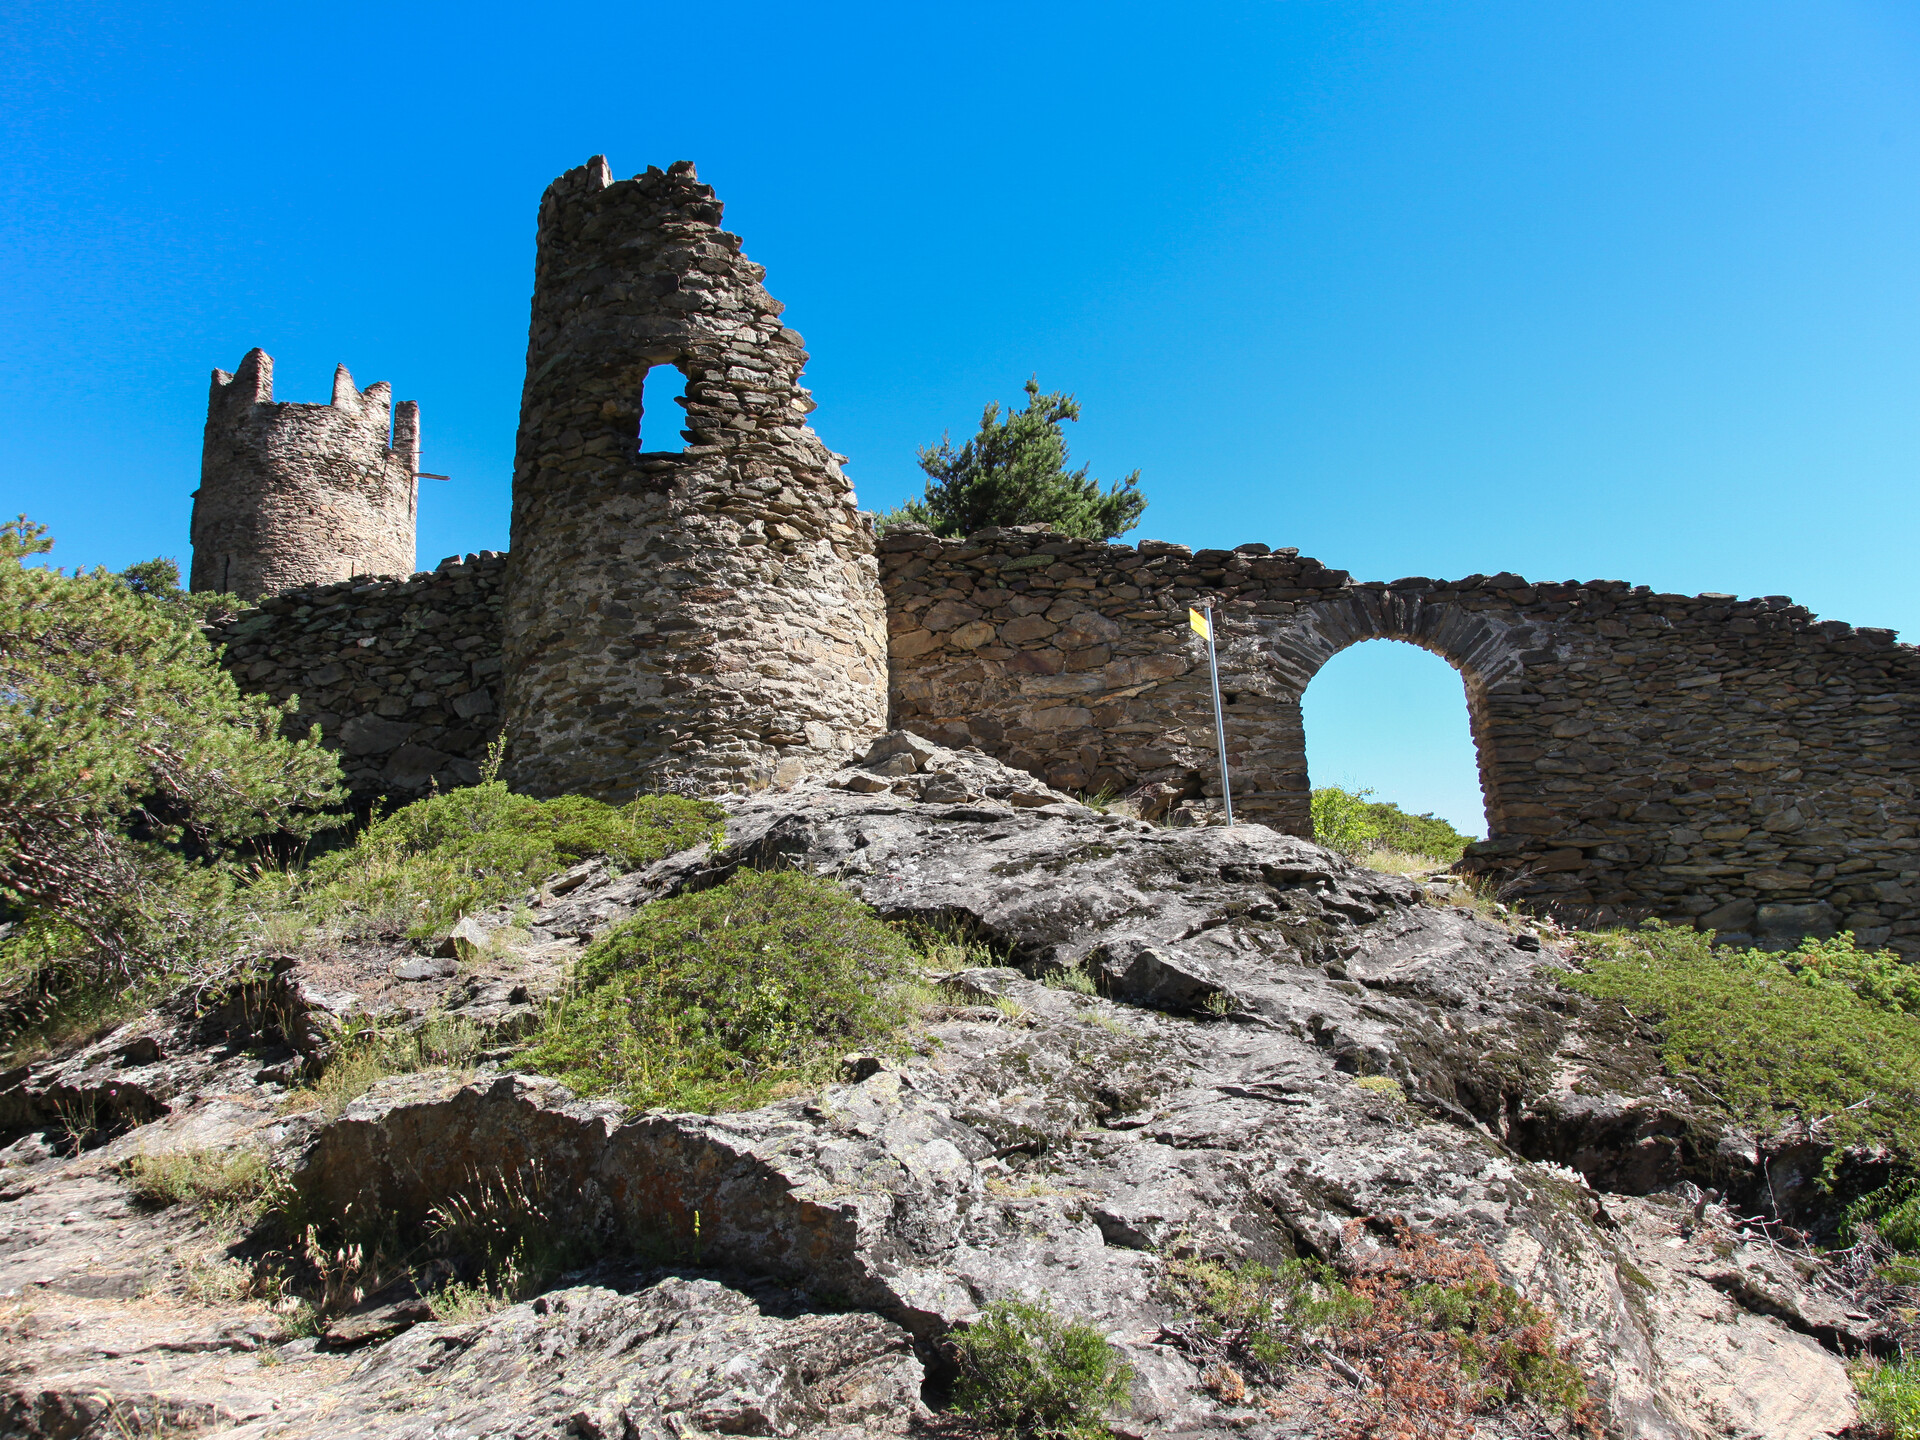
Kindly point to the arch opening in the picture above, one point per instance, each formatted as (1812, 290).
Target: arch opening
(663, 392)
(1388, 721)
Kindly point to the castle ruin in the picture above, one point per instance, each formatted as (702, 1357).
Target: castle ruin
(717, 617)
(710, 616)
(294, 495)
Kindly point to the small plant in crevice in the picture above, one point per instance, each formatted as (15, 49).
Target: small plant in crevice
(1025, 1372)
(229, 1187)
(1443, 1336)
(365, 1053)
(1383, 1086)
(1889, 1394)
(1072, 978)
(1112, 1024)
(504, 1229)
(1258, 1317)
(947, 944)
(1422, 1334)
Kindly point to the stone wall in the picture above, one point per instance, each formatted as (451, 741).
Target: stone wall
(1733, 762)
(716, 618)
(707, 618)
(403, 676)
(294, 495)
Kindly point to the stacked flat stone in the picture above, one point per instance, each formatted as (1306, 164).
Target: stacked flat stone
(703, 620)
(401, 676)
(1736, 763)
(294, 495)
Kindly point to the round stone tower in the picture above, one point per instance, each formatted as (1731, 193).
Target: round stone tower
(704, 618)
(294, 495)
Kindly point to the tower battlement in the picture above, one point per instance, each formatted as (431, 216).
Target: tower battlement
(293, 494)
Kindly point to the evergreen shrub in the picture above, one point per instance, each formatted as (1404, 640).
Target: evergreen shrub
(1014, 472)
(717, 999)
(1025, 1371)
(132, 770)
(1826, 1032)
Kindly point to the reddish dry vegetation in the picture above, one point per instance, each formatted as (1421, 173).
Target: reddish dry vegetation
(1443, 1340)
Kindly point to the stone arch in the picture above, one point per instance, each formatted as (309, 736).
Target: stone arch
(1285, 653)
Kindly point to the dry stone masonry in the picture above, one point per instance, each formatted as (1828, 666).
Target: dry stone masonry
(707, 618)
(1700, 758)
(401, 676)
(717, 618)
(293, 495)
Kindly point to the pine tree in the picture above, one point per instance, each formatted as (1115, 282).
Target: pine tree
(1014, 472)
(117, 720)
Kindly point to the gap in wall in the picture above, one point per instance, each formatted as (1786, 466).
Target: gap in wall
(1388, 716)
(661, 419)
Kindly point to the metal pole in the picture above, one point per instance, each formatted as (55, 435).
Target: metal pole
(1219, 723)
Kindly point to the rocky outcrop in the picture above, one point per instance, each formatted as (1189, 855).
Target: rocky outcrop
(1286, 1055)
(677, 1356)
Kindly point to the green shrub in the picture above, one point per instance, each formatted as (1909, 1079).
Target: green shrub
(1894, 1212)
(711, 1000)
(228, 1186)
(1024, 1371)
(1823, 1033)
(1900, 1226)
(1258, 1315)
(1347, 822)
(1890, 1396)
(419, 869)
(1503, 1342)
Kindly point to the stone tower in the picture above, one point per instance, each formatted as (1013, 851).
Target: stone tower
(302, 494)
(708, 618)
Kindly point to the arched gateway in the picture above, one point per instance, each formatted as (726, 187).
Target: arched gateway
(1287, 652)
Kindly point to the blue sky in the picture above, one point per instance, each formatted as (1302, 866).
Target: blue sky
(1627, 291)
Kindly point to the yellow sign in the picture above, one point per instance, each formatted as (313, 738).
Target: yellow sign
(1199, 623)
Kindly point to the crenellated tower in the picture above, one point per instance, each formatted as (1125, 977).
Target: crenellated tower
(706, 616)
(296, 495)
